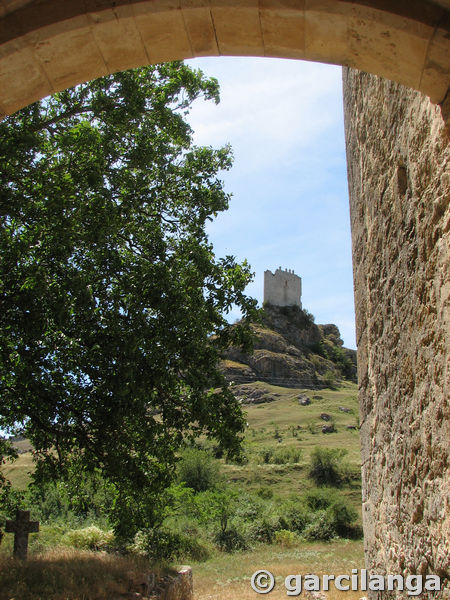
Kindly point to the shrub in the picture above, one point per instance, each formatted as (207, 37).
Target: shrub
(265, 455)
(341, 516)
(311, 428)
(51, 502)
(319, 499)
(198, 470)
(247, 507)
(264, 531)
(280, 456)
(88, 538)
(286, 538)
(325, 466)
(10, 501)
(163, 545)
(320, 528)
(265, 493)
(230, 540)
(329, 379)
(79, 497)
(295, 518)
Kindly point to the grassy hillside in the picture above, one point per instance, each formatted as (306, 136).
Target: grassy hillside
(19, 471)
(281, 423)
(286, 412)
(286, 423)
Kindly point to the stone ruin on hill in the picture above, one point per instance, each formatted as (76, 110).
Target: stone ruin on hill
(289, 348)
(282, 288)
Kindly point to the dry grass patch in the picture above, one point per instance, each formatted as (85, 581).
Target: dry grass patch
(68, 574)
(18, 471)
(227, 577)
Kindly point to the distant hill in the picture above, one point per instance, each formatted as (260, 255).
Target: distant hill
(291, 350)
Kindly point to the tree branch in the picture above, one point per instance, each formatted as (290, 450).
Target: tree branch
(77, 110)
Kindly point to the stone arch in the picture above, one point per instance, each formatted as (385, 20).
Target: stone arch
(399, 194)
(49, 45)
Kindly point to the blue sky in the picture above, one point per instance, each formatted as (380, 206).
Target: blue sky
(284, 120)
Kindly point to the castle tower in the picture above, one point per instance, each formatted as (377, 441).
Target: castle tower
(282, 288)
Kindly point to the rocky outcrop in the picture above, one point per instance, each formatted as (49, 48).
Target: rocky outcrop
(174, 586)
(291, 350)
(249, 394)
(179, 587)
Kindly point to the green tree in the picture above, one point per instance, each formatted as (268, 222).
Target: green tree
(219, 507)
(112, 302)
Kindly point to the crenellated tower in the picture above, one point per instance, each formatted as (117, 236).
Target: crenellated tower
(282, 288)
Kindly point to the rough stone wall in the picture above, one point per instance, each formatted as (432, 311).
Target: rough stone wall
(180, 587)
(399, 182)
(282, 288)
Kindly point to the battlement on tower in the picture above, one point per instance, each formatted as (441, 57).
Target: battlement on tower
(282, 288)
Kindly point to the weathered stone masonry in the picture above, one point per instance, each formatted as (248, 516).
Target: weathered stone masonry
(399, 183)
(282, 288)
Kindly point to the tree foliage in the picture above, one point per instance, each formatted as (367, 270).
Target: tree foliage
(112, 302)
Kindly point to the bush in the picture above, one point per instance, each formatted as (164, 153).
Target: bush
(51, 502)
(331, 516)
(77, 498)
(266, 493)
(264, 531)
(198, 470)
(88, 538)
(325, 466)
(312, 429)
(320, 528)
(247, 507)
(329, 380)
(279, 456)
(341, 516)
(230, 540)
(282, 456)
(163, 545)
(296, 518)
(10, 501)
(320, 499)
(265, 456)
(286, 538)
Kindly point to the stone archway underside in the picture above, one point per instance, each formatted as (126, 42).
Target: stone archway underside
(49, 45)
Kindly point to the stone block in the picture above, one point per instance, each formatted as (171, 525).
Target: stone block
(118, 38)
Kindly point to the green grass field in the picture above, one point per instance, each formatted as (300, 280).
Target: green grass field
(286, 413)
(298, 426)
(19, 471)
(285, 423)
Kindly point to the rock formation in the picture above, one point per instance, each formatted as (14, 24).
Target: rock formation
(291, 350)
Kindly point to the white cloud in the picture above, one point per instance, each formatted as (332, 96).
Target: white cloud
(269, 107)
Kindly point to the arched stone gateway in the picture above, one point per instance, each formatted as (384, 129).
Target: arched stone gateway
(48, 45)
(399, 184)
